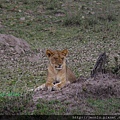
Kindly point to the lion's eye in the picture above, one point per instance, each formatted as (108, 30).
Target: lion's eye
(62, 58)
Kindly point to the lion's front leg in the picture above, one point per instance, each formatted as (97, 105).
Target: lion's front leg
(49, 84)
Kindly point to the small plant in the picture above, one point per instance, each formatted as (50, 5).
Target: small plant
(53, 4)
(108, 17)
(72, 19)
(116, 68)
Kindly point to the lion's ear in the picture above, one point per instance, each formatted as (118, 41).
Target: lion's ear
(49, 53)
(65, 52)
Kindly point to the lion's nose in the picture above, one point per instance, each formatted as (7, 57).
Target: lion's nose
(59, 66)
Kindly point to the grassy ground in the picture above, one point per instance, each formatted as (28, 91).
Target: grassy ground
(85, 28)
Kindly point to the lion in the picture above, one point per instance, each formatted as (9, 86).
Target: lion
(59, 74)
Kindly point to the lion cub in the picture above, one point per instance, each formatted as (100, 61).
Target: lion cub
(58, 73)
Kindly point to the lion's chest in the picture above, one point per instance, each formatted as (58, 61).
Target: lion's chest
(58, 77)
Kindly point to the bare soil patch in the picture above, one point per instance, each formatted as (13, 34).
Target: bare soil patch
(103, 86)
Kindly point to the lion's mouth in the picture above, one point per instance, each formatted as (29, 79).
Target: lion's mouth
(58, 68)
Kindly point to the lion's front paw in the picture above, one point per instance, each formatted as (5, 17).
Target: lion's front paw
(56, 87)
(50, 88)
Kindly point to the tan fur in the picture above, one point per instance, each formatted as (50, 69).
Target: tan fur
(57, 71)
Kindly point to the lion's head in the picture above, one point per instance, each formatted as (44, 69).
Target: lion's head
(57, 58)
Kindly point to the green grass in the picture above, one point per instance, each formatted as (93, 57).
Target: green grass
(105, 107)
(53, 107)
(15, 105)
(86, 29)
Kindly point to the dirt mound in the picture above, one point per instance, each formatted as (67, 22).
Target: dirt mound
(105, 85)
(9, 43)
(13, 48)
